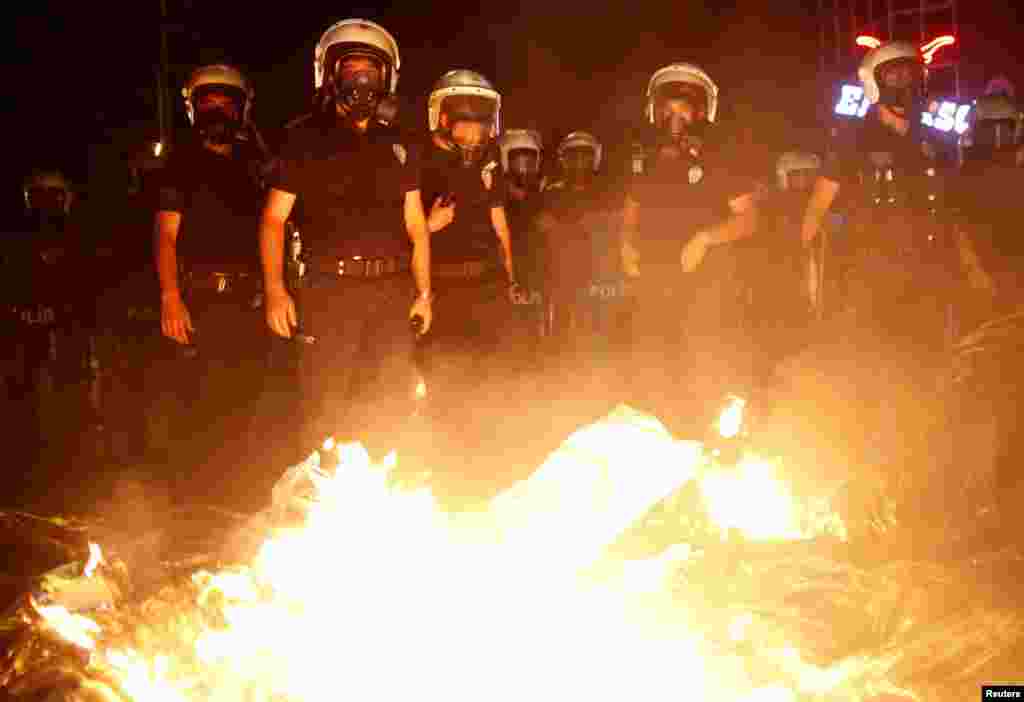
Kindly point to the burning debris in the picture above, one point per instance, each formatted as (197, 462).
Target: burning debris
(629, 566)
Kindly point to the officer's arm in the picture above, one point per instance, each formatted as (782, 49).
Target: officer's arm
(416, 226)
(740, 225)
(822, 197)
(500, 223)
(166, 234)
(276, 210)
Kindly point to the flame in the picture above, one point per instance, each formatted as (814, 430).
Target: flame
(73, 628)
(381, 595)
(730, 421)
(95, 560)
(421, 389)
(752, 500)
(158, 148)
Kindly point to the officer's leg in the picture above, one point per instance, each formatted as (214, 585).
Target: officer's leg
(717, 359)
(656, 334)
(384, 400)
(334, 316)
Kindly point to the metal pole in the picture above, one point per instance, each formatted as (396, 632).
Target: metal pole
(162, 100)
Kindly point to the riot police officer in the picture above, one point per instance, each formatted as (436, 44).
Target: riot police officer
(206, 258)
(362, 228)
(989, 205)
(686, 203)
(47, 296)
(471, 248)
(987, 195)
(575, 224)
(521, 162)
(785, 275)
(900, 265)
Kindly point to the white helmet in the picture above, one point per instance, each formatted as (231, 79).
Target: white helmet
(794, 161)
(463, 83)
(515, 139)
(47, 180)
(683, 73)
(995, 121)
(874, 59)
(359, 34)
(218, 75)
(577, 140)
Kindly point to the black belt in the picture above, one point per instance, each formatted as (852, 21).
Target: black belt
(466, 270)
(222, 281)
(360, 266)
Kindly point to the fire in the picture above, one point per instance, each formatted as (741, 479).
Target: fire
(95, 559)
(730, 421)
(381, 595)
(73, 628)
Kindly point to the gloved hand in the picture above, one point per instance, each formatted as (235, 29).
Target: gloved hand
(694, 251)
(630, 260)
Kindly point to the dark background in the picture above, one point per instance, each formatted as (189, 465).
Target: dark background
(82, 76)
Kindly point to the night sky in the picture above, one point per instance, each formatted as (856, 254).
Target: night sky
(81, 71)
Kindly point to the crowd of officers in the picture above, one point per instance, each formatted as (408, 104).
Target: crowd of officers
(382, 262)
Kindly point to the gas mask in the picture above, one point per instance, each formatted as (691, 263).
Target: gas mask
(681, 110)
(218, 114)
(47, 201)
(468, 123)
(467, 150)
(801, 180)
(578, 165)
(358, 93)
(901, 84)
(524, 169)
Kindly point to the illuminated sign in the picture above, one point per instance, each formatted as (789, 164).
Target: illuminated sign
(949, 116)
(868, 41)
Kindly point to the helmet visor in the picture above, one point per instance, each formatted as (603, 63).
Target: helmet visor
(578, 159)
(353, 58)
(469, 108)
(224, 100)
(680, 100)
(900, 74)
(801, 179)
(47, 197)
(523, 162)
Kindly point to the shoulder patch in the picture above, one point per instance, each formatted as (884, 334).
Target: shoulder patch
(400, 153)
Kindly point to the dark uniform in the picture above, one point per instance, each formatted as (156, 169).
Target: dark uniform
(475, 318)
(218, 376)
(48, 316)
(988, 198)
(584, 280)
(902, 260)
(687, 330)
(781, 306)
(357, 378)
